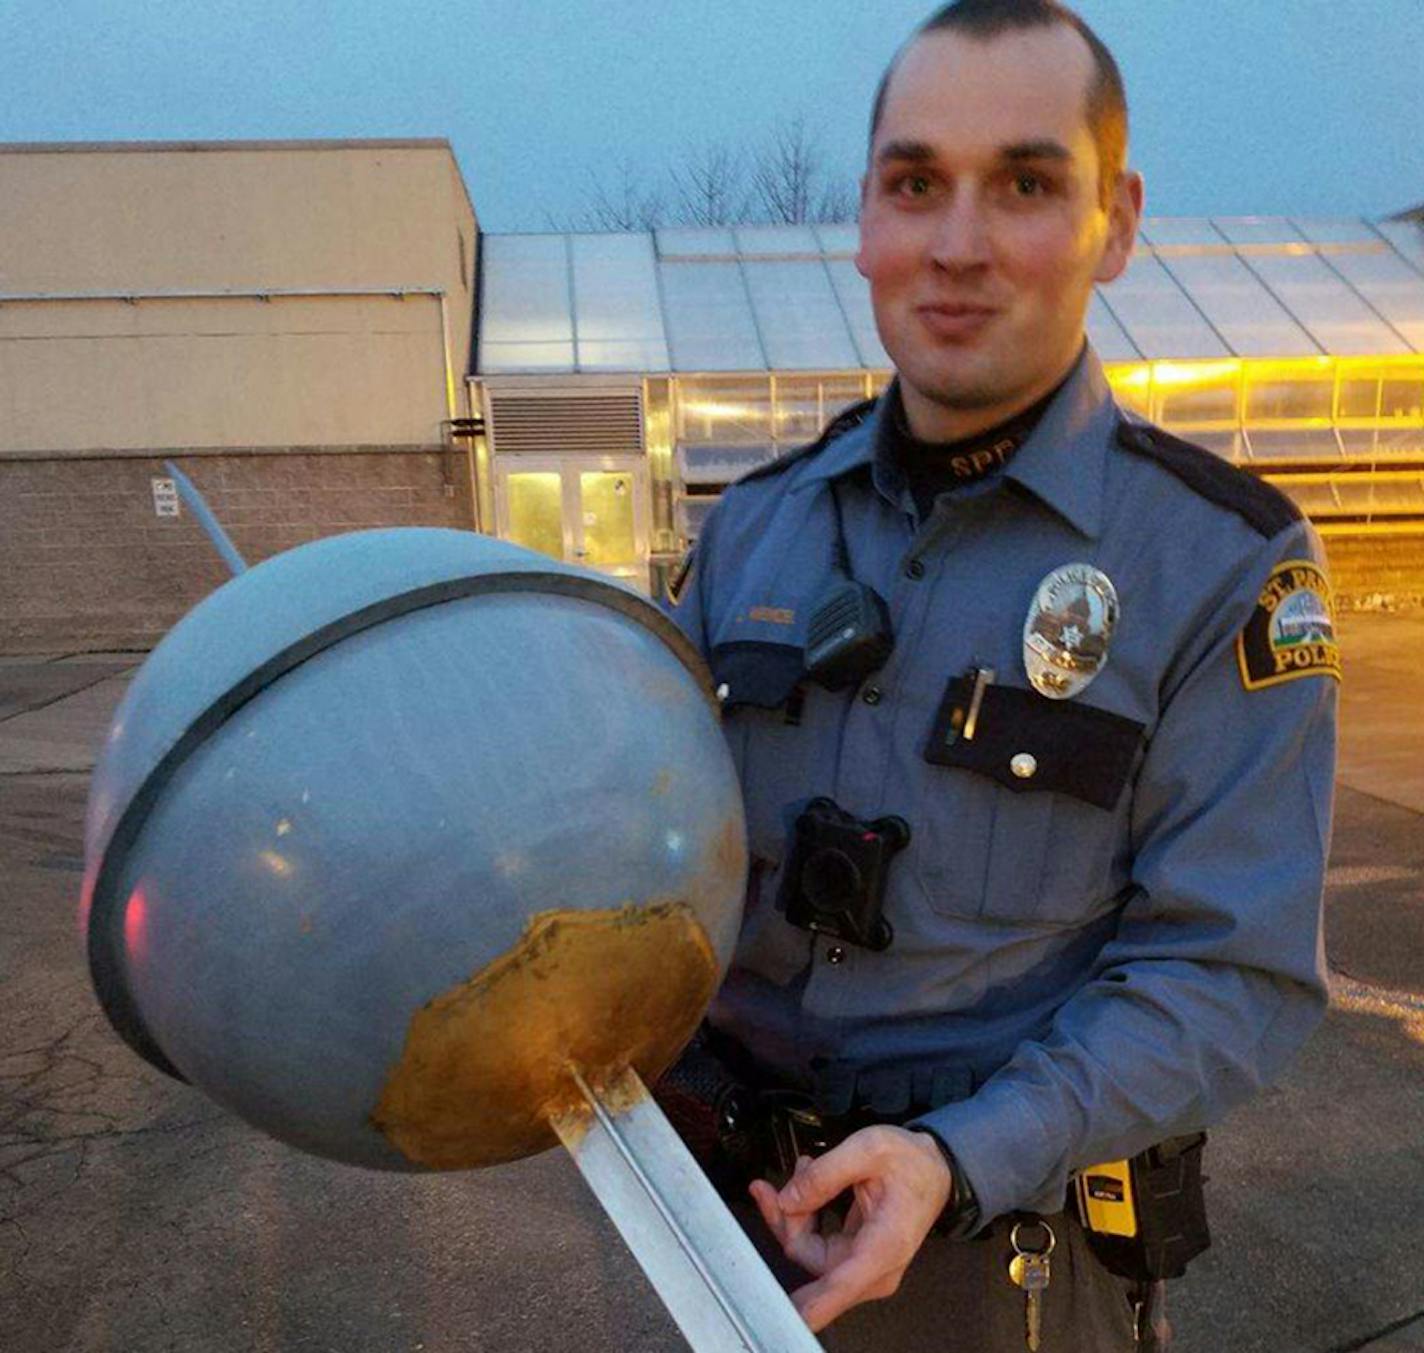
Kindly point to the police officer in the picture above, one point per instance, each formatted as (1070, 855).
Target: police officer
(1097, 689)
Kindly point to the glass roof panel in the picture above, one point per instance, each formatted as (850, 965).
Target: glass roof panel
(1407, 238)
(1106, 335)
(1331, 311)
(1239, 307)
(1317, 444)
(526, 301)
(1226, 444)
(498, 359)
(694, 242)
(1257, 229)
(854, 296)
(838, 239)
(1391, 286)
(784, 239)
(799, 317)
(618, 320)
(1180, 230)
(1337, 232)
(1157, 315)
(709, 318)
(1386, 442)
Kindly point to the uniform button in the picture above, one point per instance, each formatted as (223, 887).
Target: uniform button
(915, 569)
(1024, 765)
(872, 695)
(835, 954)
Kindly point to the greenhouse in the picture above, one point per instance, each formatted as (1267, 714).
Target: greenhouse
(625, 379)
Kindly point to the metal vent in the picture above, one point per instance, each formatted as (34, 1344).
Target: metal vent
(553, 424)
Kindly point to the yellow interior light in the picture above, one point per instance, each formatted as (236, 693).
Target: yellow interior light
(1195, 373)
(711, 408)
(1129, 376)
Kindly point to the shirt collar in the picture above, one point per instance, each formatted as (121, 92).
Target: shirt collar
(1062, 463)
(850, 451)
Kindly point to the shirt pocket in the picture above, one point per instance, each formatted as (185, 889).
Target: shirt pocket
(1025, 817)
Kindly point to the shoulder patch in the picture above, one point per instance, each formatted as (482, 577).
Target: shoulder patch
(1266, 509)
(1291, 633)
(842, 423)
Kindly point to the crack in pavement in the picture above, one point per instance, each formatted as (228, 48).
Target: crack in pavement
(13, 1259)
(112, 1134)
(37, 1124)
(81, 776)
(1394, 1326)
(55, 699)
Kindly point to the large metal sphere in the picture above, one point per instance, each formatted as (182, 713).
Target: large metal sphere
(394, 828)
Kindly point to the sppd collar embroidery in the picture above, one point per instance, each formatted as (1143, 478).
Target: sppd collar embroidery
(949, 464)
(1291, 633)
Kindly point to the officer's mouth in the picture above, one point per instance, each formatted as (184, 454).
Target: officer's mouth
(955, 321)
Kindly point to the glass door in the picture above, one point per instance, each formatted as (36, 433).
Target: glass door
(589, 510)
(533, 511)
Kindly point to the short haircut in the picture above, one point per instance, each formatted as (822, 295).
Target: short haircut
(983, 19)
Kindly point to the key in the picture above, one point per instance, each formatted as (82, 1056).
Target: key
(1030, 1270)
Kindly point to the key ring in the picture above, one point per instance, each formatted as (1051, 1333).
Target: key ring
(1037, 1254)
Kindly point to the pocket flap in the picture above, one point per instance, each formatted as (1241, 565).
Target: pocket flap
(1027, 742)
(756, 673)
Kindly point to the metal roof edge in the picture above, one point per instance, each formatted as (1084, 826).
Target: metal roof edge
(139, 147)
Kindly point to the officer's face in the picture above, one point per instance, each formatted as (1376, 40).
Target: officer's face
(982, 230)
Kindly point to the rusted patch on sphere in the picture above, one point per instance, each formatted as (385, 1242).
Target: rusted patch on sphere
(486, 1064)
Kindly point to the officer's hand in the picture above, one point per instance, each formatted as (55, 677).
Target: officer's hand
(901, 1185)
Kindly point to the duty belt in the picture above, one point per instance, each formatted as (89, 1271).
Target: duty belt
(741, 1126)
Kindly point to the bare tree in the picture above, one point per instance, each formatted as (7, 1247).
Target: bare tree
(839, 201)
(792, 182)
(783, 174)
(787, 181)
(709, 186)
(627, 202)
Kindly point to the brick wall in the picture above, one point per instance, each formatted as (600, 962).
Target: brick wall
(86, 564)
(1377, 570)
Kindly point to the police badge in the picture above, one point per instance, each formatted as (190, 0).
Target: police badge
(1069, 627)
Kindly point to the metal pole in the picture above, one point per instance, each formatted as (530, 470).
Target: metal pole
(700, 1262)
(222, 542)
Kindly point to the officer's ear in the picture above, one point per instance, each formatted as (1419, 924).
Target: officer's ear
(1124, 215)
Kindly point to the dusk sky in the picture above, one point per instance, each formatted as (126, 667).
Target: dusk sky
(1240, 107)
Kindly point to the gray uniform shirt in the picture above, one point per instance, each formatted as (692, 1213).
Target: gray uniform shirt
(1115, 949)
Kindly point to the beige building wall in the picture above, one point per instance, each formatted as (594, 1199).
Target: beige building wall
(158, 366)
(269, 316)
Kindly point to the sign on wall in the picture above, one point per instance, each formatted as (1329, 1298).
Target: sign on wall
(165, 498)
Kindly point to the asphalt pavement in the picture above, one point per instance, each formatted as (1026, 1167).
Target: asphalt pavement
(137, 1216)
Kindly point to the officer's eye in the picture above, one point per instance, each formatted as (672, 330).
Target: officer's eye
(1028, 185)
(913, 185)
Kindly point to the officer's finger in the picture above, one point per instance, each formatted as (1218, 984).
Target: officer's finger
(768, 1202)
(862, 1276)
(828, 1176)
(795, 1233)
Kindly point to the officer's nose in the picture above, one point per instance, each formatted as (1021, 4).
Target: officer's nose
(960, 239)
